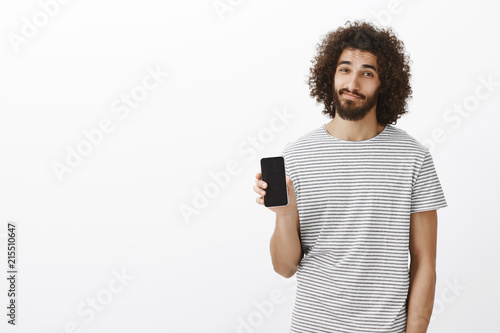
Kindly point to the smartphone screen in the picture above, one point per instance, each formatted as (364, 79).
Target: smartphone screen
(273, 173)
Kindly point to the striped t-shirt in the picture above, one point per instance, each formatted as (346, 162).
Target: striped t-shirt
(354, 200)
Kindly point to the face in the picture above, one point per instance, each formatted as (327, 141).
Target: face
(356, 84)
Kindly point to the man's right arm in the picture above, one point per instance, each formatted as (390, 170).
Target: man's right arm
(285, 245)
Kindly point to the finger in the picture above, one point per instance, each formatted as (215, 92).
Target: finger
(260, 183)
(258, 190)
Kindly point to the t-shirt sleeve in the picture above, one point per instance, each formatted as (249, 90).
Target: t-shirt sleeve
(285, 156)
(289, 169)
(427, 193)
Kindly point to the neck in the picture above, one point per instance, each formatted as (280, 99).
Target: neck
(363, 129)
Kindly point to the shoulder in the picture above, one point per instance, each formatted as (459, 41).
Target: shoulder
(310, 138)
(407, 141)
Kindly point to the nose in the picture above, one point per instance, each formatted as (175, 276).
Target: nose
(353, 83)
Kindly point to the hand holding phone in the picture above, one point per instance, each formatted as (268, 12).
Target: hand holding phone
(260, 188)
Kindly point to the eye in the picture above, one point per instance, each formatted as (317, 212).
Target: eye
(345, 70)
(369, 74)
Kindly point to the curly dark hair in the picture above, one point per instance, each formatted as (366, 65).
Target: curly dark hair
(395, 89)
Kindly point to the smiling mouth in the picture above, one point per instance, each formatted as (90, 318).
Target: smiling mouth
(351, 96)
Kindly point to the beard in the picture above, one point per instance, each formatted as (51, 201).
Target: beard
(353, 110)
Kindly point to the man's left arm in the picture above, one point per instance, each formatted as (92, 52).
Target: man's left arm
(423, 239)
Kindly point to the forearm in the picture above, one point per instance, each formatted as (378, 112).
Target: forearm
(286, 250)
(421, 297)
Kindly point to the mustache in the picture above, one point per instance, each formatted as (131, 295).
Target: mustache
(341, 91)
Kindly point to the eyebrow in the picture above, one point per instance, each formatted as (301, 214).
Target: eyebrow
(364, 65)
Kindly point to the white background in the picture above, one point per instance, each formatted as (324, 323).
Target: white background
(229, 74)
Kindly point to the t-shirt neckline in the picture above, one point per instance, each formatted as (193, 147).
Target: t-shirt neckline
(355, 141)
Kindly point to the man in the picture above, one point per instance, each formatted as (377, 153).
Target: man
(363, 196)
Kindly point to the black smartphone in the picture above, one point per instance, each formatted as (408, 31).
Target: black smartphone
(273, 173)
